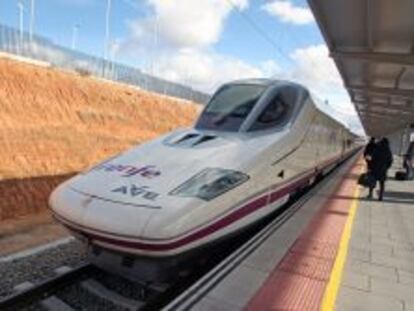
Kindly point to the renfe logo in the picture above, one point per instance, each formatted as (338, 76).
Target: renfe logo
(148, 171)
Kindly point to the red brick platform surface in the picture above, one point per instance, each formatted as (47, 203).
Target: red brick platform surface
(299, 281)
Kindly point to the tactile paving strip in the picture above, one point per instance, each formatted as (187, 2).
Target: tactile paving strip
(306, 265)
(298, 282)
(315, 248)
(311, 293)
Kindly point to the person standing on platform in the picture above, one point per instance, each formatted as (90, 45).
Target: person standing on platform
(380, 163)
(369, 150)
(408, 161)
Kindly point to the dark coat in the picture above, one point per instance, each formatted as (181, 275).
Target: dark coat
(381, 161)
(369, 149)
(368, 152)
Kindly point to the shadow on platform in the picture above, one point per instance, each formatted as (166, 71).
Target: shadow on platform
(397, 197)
(406, 196)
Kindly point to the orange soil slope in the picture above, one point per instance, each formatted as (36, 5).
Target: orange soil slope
(54, 123)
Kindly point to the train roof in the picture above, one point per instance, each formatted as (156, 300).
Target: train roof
(319, 104)
(266, 82)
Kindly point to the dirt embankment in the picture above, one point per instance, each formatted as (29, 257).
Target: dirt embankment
(55, 123)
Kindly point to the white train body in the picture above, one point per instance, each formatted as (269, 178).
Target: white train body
(195, 186)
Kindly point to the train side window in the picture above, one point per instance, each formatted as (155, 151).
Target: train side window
(274, 115)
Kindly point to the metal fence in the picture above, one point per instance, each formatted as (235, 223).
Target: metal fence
(36, 47)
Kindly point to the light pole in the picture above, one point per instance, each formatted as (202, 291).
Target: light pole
(75, 32)
(20, 6)
(107, 20)
(112, 50)
(106, 39)
(32, 19)
(153, 63)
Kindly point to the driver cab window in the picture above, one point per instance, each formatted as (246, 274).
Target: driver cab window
(229, 107)
(273, 115)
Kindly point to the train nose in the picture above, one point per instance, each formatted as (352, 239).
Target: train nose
(67, 204)
(90, 214)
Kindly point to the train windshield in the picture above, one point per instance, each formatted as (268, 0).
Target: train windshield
(229, 107)
(274, 115)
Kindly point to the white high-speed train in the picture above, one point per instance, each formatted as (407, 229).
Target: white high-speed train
(256, 143)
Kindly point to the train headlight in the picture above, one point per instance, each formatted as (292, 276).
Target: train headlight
(210, 183)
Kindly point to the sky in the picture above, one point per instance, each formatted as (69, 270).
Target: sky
(202, 43)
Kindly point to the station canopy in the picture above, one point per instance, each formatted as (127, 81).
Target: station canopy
(372, 44)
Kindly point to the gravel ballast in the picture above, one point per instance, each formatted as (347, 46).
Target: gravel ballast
(39, 267)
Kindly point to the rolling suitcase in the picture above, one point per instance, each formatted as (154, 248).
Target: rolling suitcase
(400, 175)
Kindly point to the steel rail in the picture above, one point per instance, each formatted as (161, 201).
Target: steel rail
(46, 288)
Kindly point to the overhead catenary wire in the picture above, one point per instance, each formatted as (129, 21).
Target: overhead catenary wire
(269, 39)
(259, 30)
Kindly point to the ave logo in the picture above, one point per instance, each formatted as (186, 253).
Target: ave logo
(135, 191)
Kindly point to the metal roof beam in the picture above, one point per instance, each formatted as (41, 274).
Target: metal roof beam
(385, 106)
(388, 114)
(366, 114)
(394, 115)
(394, 58)
(382, 91)
(375, 126)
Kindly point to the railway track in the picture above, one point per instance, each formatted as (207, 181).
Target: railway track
(28, 293)
(84, 287)
(87, 287)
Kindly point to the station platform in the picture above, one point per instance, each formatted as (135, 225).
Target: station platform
(379, 269)
(339, 251)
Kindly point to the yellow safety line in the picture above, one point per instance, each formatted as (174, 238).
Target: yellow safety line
(331, 291)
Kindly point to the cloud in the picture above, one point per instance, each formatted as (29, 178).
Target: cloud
(314, 68)
(185, 23)
(270, 68)
(317, 71)
(176, 42)
(288, 12)
(206, 70)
